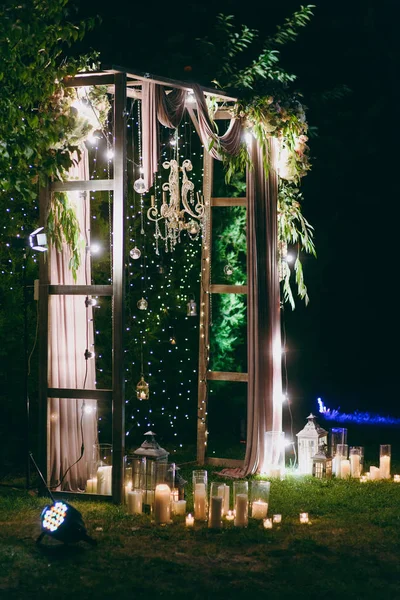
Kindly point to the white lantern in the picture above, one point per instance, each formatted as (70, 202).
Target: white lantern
(308, 441)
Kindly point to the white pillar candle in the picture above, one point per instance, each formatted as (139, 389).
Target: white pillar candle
(230, 516)
(396, 478)
(304, 518)
(104, 480)
(91, 486)
(241, 509)
(189, 520)
(345, 468)
(215, 521)
(267, 523)
(223, 491)
(277, 518)
(200, 502)
(135, 502)
(355, 465)
(259, 509)
(384, 467)
(162, 503)
(179, 507)
(374, 473)
(128, 488)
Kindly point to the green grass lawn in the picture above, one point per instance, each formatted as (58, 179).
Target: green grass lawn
(350, 550)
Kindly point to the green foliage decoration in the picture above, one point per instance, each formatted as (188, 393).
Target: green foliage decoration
(40, 132)
(269, 108)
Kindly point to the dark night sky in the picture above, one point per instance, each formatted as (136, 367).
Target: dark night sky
(343, 347)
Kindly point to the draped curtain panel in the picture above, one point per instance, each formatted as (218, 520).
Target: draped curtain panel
(264, 404)
(72, 423)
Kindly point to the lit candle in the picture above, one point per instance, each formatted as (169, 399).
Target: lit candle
(175, 495)
(200, 502)
(384, 467)
(267, 523)
(162, 503)
(396, 478)
(241, 508)
(189, 520)
(230, 516)
(374, 473)
(152, 200)
(223, 491)
(179, 507)
(91, 486)
(344, 468)
(277, 518)
(135, 502)
(304, 518)
(128, 488)
(259, 509)
(363, 479)
(355, 465)
(104, 480)
(215, 521)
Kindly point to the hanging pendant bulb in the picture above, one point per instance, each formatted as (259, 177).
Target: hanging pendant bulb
(88, 355)
(90, 301)
(143, 389)
(228, 270)
(135, 253)
(161, 269)
(142, 304)
(172, 340)
(139, 186)
(191, 308)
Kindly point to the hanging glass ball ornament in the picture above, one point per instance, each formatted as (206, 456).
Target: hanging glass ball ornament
(135, 253)
(228, 270)
(193, 227)
(191, 308)
(142, 304)
(142, 389)
(139, 186)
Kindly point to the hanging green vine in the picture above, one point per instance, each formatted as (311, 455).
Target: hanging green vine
(270, 109)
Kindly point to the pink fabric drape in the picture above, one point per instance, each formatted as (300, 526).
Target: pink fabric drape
(70, 333)
(149, 133)
(168, 110)
(264, 406)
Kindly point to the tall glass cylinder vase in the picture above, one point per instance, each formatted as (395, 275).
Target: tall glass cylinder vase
(241, 503)
(274, 462)
(338, 436)
(259, 498)
(216, 506)
(341, 460)
(200, 492)
(224, 492)
(384, 461)
(356, 456)
(102, 453)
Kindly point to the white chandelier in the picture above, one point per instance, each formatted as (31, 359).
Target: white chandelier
(181, 212)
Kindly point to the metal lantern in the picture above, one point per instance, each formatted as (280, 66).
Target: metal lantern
(322, 464)
(142, 389)
(149, 467)
(309, 440)
(191, 308)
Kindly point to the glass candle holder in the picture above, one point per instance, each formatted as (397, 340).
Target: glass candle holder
(304, 518)
(267, 523)
(338, 436)
(345, 469)
(396, 478)
(200, 489)
(259, 495)
(241, 503)
(216, 506)
(341, 454)
(356, 456)
(277, 518)
(384, 460)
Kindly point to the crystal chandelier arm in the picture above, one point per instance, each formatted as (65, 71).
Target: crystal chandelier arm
(188, 186)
